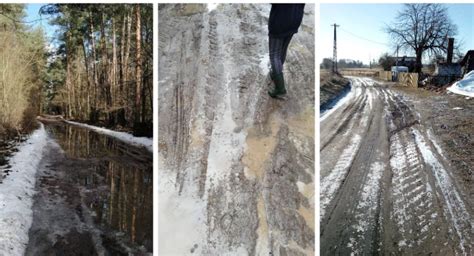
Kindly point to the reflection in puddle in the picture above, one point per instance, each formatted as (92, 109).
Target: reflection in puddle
(116, 181)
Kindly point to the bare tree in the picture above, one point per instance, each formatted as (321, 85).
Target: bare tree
(138, 74)
(422, 28)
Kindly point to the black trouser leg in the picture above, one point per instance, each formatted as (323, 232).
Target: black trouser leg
(275, 48)
(286, 42)
(278, 46)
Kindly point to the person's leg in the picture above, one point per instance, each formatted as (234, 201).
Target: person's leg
(286, 42)
(275, 48)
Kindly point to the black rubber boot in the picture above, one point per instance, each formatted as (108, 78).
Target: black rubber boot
(279, 86)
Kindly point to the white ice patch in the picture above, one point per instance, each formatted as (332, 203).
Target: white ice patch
(264, 64)
(331, 183)
(211, 7)
(436, 145)
(370, 98)
(369, 81)
(226, 145)
(16, 194)
(181, 218)
(367, 205)
(398, 163)
(122, 136)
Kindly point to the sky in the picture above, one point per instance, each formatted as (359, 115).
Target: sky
(361, 33)
(32, 12)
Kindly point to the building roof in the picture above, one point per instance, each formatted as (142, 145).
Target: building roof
(469, 56)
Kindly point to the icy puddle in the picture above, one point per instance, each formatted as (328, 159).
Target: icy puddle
(106, 184)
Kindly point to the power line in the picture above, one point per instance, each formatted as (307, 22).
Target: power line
(363, 38)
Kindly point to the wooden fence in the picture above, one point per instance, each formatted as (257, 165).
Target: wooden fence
(359, 72)
(408, 79)
(385, 75)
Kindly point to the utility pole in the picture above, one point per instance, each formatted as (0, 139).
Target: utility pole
(396, 61)
(334, 53)
(370, 61)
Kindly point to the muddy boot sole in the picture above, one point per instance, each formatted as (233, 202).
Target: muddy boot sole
(282, 96)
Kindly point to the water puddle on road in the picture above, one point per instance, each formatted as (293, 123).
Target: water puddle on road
(116, 181)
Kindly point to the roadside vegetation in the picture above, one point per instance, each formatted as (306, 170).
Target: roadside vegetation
(22, 62)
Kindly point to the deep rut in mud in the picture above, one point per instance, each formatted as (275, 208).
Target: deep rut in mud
(386, 187)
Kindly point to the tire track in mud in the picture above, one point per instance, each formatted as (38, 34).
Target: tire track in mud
(342, 219)
(354, 117)
(395, 194)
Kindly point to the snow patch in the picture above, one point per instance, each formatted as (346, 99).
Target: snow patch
(16, 194)
(181, 217)
(122, 136)
(226, 145)
(264, 64)
(330, 184)
(436, 145)
(464, 86)
(341, 102)
(367, 206)
(211, 7)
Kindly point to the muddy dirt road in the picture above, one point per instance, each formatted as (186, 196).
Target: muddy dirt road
(387, 187)
(235, 166)
(94, 196)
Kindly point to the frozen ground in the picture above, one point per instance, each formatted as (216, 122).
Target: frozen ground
(387, 184)
(16, 193)
(236, 167)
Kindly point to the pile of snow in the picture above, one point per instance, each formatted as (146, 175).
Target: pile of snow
(465, 86)
(16, 194)
(341, 100)
(211, 7)
(123, 136)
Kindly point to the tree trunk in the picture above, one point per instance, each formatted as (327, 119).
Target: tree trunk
(125, 61)
(104, 74)
(418, 64)
(88, 103)
(114, 65)
(68, 74)
(122, 52)
(94, 66)
(138, 74)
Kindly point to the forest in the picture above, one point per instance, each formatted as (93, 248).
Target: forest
(98, 69)
(22, 65)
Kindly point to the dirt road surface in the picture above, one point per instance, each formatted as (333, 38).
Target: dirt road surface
(235, 166)
(387, 186)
